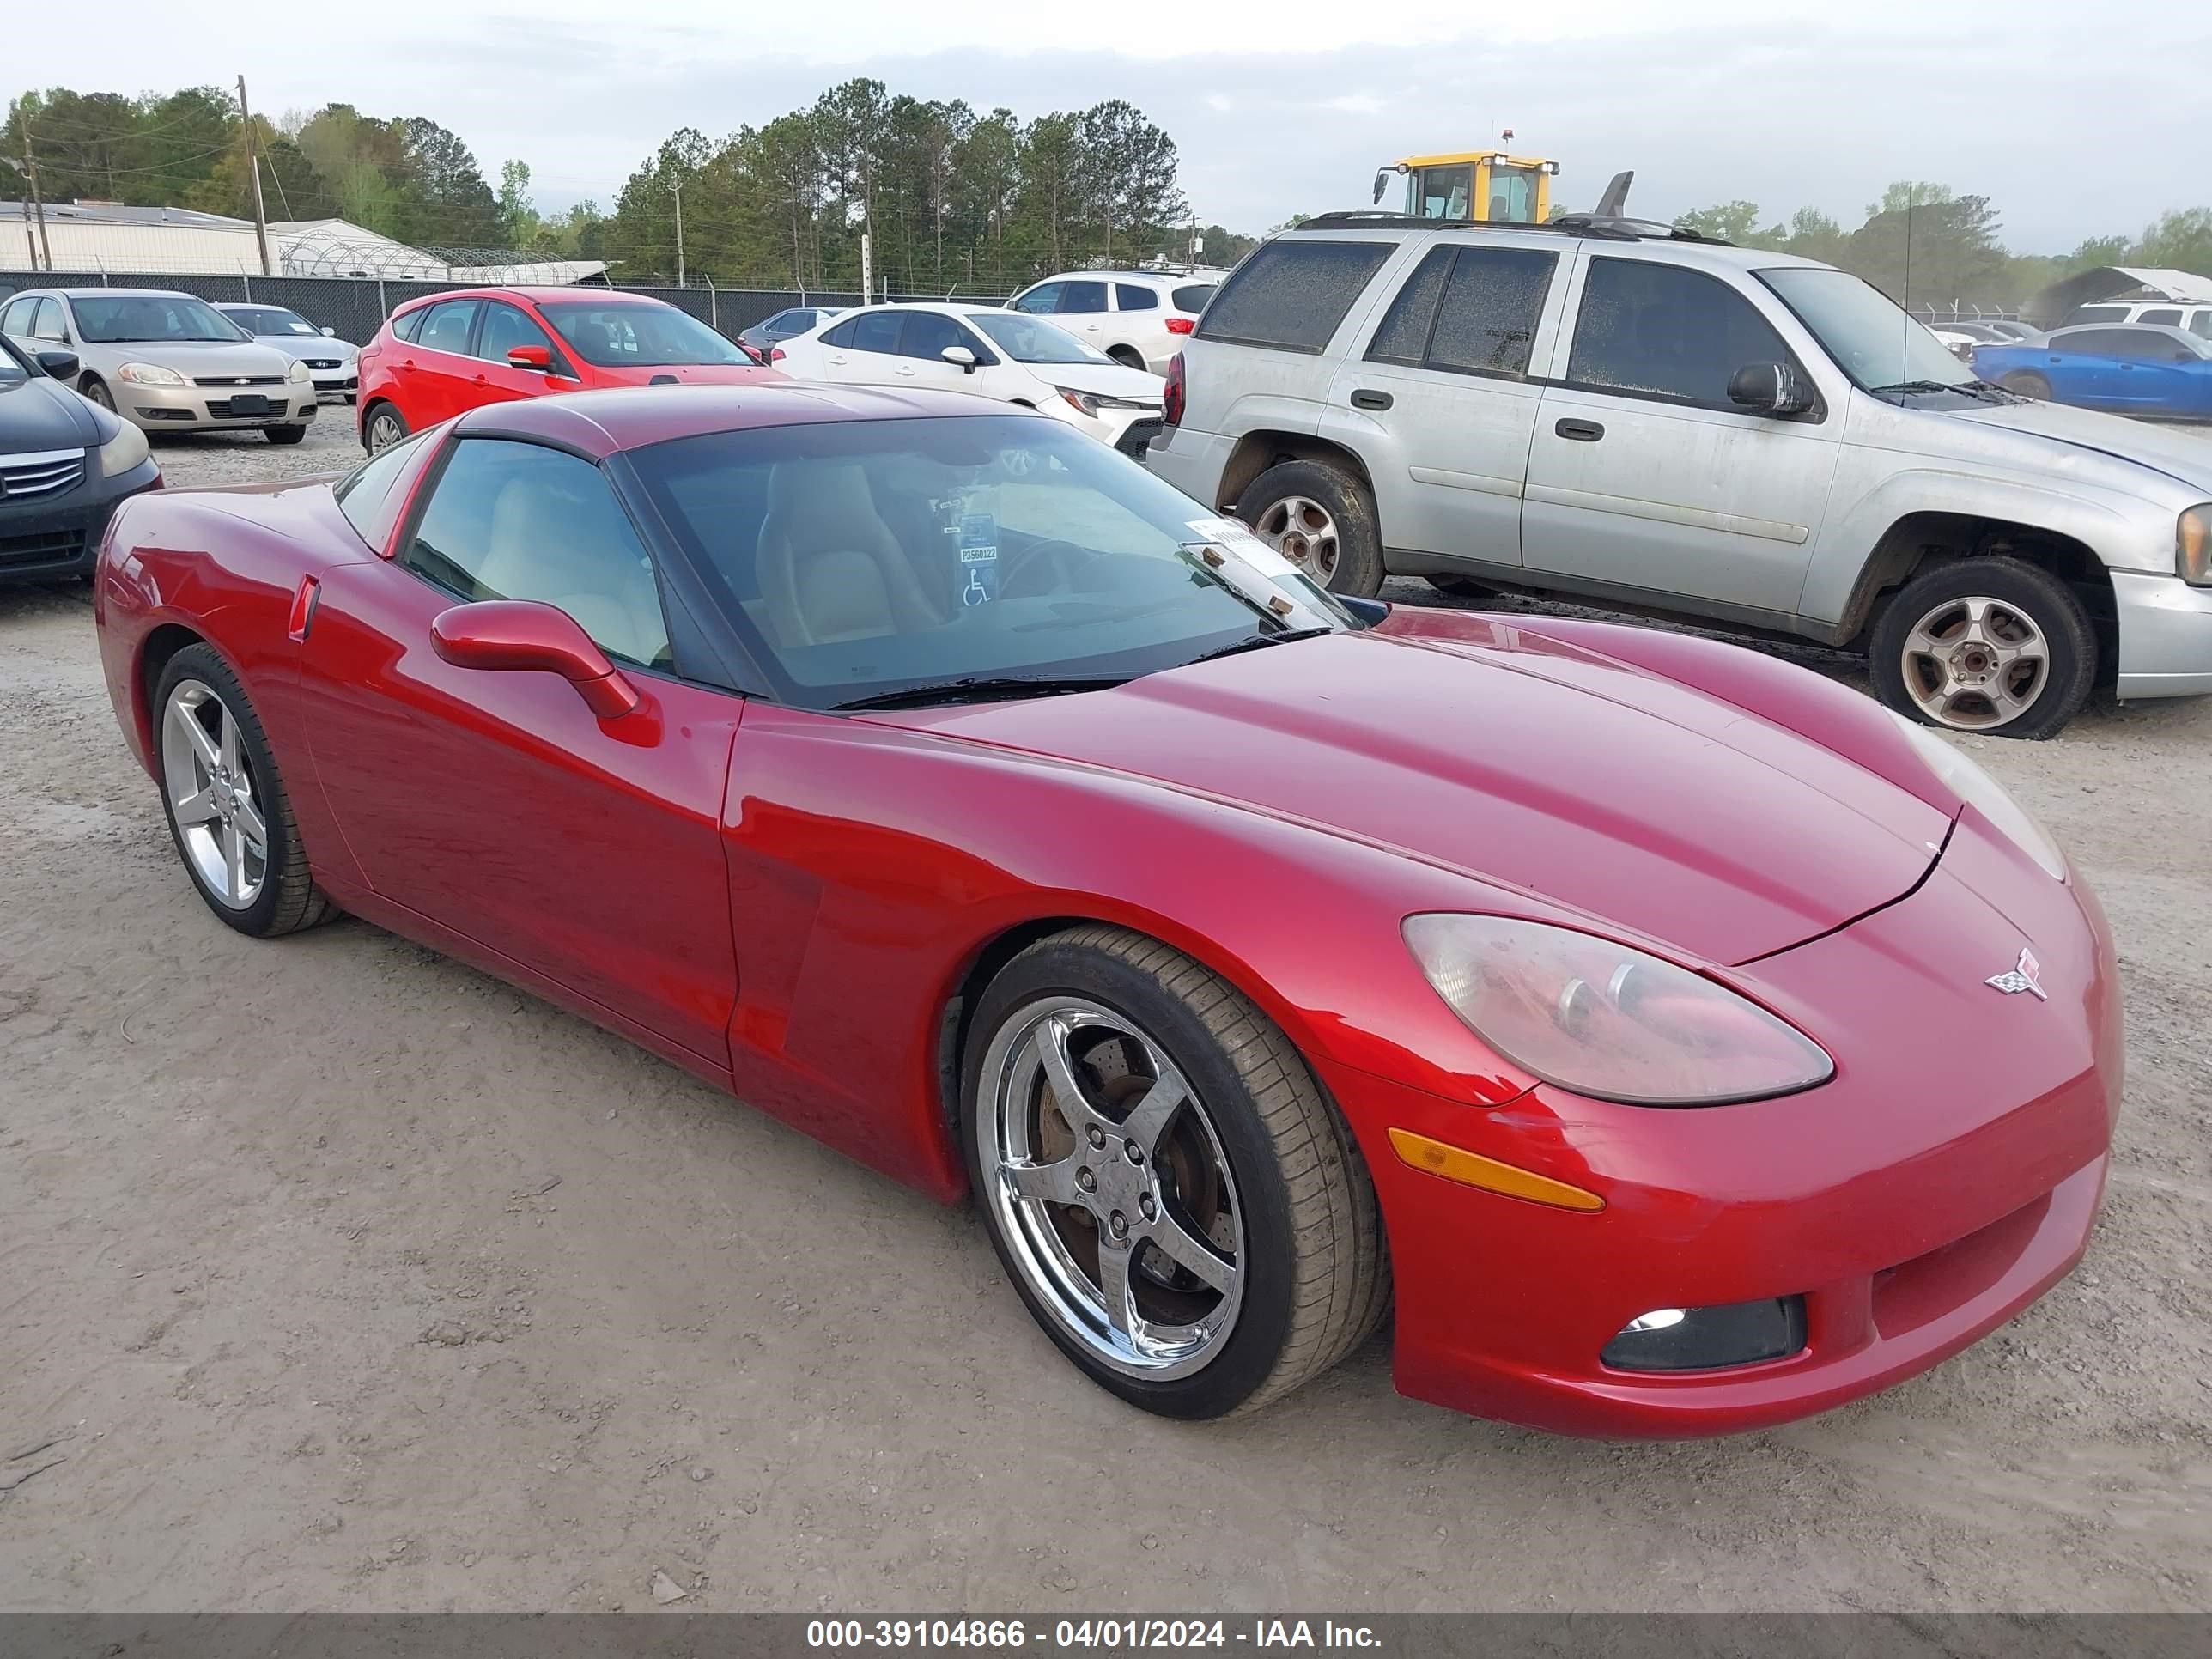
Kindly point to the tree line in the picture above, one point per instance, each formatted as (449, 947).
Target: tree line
(1927, 245)
(950, 197)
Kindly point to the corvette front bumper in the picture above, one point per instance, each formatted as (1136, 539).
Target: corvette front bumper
(1948, 1176)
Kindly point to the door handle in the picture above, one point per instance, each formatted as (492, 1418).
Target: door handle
(407, 368)
(906, 369)
(480, 380)
(1582, 432)
(1363, 399)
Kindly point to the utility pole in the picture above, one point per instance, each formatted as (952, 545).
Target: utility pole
(253, 165)
(867, 270)
(30, 166)
(678, 189)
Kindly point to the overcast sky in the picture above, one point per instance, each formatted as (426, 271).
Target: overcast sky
(2073, 124)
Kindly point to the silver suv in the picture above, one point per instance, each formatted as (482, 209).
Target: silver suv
(1638, 417)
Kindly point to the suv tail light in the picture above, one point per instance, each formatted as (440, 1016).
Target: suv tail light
(775, 354)
(1182, 325)
(1171, 394)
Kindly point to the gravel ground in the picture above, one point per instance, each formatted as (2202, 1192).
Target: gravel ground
(340, 1276)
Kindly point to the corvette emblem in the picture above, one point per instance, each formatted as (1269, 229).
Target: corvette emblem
(2022, 977)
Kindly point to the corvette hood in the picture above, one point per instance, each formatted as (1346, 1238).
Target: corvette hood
(1521, 760)
(685, 374)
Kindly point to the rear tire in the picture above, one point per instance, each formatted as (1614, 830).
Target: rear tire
(1250, 1162)
(284, 435)
(382, 426)
(1322, 519)
(1992, 646)
(2026, 385)
(264, 896)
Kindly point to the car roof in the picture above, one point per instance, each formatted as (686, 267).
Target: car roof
(535, 296)
(105, 293)
(2168, 329)
(1700, 253)
(601, 423)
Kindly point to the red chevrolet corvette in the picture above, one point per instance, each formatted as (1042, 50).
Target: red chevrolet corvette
(1674, 1041)
(470, 347)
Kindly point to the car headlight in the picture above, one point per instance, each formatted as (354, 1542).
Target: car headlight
(2192, 546)
(122, 452)
(1606, 1021)
(1985, 795)
(1083, 401)
(148, 375)
(300, 370)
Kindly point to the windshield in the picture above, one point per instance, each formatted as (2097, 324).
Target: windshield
(126, 318)
(863, 558)
(1440, 192)
(1870, 338)
(631, 336)
(272, 319)
(1029, 340)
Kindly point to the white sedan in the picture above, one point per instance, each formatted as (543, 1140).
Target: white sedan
(993, 353)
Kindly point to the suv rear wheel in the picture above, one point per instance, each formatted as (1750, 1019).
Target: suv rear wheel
(1993, 646)
(1320, 518)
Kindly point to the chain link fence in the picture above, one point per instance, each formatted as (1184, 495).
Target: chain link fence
(355, 308)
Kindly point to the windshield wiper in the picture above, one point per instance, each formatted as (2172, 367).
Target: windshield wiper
(1922, 386)
(1258, 639)
(980, 688)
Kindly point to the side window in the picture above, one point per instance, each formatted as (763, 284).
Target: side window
(513, 521)
(16, 318)
(1667, 331)
(1041, 301)
(445, 327)
(1488, 319)
(841, 336)
(409, 325)
(506, 327)
(2201, 325)
(1192, 297)
(876, 330)
(1128, 296)
(2165, 314)
(363, 496)
(1403, 336)
(49, 324)
(928, 332)
(1292, 292)
(1082, 296)
(2097, 343)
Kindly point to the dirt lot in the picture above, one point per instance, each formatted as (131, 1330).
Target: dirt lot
(340, 1276)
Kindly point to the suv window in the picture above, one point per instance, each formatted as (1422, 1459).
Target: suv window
(1082, 296)
(1291, 293)
(511, 520)
(2201, 324)
(1667, 331)
(1469, 309)
(1128, 296)
(445, 327)
(1040, 300)
(2098, 314)
(1192, 296)
(2167, 314)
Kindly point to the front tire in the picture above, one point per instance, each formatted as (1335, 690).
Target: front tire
(225, 801)
(1322, 519)
(1180, 1208)
(1993, 646)
(284, 435)
(97, 390)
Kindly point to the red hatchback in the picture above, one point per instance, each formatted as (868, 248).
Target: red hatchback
(448, 352)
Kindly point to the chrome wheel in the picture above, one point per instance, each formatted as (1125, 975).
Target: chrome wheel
(1301, 529)
(384, 431)
(1110, 1187)
(1974, 663)
(209, 787)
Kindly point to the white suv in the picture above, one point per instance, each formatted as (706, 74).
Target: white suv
(1636, 417)
(1140, 317)
(2196, 319)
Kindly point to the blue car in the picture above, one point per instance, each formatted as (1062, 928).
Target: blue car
(2130, 368)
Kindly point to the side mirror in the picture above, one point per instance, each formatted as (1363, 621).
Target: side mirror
(330, 334)
(962, 356)
(1382, 183)
(62, 365)
(531, 356)
(1769, 389)
(511, 633)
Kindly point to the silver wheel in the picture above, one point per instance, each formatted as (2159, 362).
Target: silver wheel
(1110, 1187)
(1973, 664)
(209, 787)
(1301, 529)
(384, 431)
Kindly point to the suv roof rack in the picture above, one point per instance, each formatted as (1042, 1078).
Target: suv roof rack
(1606, 227)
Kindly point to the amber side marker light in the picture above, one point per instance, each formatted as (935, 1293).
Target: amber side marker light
(1473, 1170)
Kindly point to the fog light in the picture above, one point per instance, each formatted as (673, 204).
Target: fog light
(1708, 1339)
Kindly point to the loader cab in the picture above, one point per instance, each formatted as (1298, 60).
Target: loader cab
(1486, 187)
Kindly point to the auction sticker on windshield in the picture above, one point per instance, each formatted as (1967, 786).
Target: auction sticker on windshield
(979, 558)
